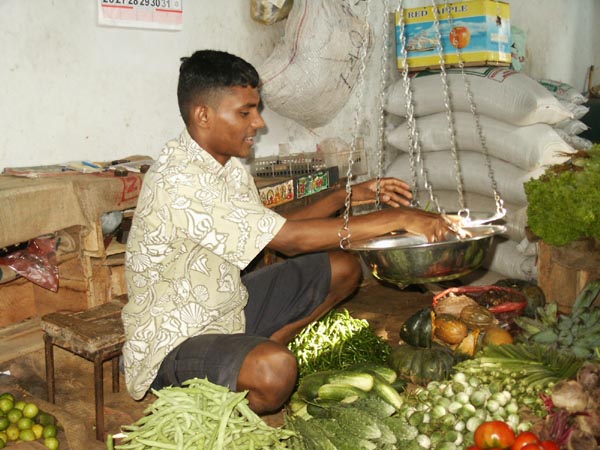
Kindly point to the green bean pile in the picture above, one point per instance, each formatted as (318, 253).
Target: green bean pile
(200, 415)
(337, 341)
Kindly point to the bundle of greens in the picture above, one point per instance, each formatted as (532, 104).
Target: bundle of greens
(577, 332)
(337, 341)
(564, 203)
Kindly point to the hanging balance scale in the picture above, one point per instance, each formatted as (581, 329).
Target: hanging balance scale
(403, 258)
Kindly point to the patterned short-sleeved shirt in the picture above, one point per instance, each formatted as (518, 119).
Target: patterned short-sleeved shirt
(196, 226)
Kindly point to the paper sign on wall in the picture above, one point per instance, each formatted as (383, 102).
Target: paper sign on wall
(155, 14)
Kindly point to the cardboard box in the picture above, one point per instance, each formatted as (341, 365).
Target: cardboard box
(476, 32)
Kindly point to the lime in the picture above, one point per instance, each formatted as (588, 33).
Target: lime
(51, 443)
(27, 435)
(30, 410)
(25, 423)
(8, 395)
(6, 404)
(45, 418)
(4, 423)
(37, 430)
(14, 415)
(12, 432)
(50, 430)
(3, 436)
(2, 444)
(20, 404)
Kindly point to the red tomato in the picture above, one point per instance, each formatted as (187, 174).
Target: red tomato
(473, 447)
(460, 37)
(549, 445)
(532, 447)
(493, 434)
(524, 438)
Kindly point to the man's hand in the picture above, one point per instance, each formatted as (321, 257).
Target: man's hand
(393, 192)
(435, 227)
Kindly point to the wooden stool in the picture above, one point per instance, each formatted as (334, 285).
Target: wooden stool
(95, 334)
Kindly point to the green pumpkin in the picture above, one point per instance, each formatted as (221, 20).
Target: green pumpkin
(421, 365)
(534, 294)
(418, 329)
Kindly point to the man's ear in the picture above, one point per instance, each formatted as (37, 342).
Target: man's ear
(201, 115)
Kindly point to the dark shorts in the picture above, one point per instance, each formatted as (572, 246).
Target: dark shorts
(279, 294)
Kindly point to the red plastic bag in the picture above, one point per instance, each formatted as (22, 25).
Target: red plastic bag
(37, 263)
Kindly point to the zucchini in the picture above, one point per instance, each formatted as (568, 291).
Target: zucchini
(387, 392)
(308, 388)
(385, 372)
(359, 379)
(320, 408)
(340, 392)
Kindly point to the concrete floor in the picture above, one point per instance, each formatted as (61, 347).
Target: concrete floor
(385, 307)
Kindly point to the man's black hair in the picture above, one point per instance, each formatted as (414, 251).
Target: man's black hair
(206, 72)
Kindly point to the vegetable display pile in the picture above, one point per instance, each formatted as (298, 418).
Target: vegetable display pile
(526, 370)
(200, 415)
(577, 332)
(574, 410)
(337, 341)
(564, 203)
(499, 435)
(340, 410)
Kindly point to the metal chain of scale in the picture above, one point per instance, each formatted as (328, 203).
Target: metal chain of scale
(416, 161)
(464, 212)
(344, 232)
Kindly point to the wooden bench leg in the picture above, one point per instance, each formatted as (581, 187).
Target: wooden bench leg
(115, 374)
(99, 397)
(49, 352)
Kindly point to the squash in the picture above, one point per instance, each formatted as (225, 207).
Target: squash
(417, 329)
(534, 294)
(495, 335)
(421, 365)
(477, 317)
(449, 329)
(468, 347)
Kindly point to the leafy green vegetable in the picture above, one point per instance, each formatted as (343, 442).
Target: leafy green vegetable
(337, 341)
(577, 332)
(564, 203)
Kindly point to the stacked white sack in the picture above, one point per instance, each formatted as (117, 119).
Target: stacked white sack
(527, 147)
(574, 101)
(500, 93)
(516, 114)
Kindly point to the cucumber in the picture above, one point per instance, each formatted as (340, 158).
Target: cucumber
(320, 408)
(340, 392)
(308, 388)
(359, 379)
(385, 372)
(387, 392)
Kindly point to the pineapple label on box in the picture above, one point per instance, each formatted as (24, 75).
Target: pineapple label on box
(477, 31)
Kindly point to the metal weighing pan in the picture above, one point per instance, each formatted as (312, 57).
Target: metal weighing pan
(403, 258)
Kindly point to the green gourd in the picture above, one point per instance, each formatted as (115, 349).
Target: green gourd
(417, 330)
(421, 365)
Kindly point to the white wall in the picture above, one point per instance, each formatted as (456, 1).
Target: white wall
(72, 90)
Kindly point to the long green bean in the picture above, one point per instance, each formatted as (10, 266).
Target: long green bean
(197, 416)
